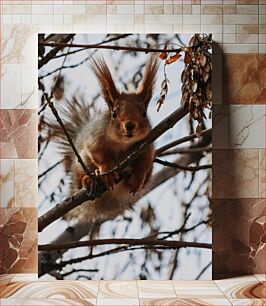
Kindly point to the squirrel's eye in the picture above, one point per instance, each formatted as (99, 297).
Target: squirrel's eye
(144, 113)
(114, 114)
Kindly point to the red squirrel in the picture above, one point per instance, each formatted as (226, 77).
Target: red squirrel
(107, 138)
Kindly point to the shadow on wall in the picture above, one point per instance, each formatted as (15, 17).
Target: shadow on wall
(239, 216)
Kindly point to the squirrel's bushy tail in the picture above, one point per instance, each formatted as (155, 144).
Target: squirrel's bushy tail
(74, 114)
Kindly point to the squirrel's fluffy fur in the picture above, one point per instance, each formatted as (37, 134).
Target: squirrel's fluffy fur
(105, 139)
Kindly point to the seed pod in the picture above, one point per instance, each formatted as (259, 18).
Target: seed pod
(205, 77)
(203, 60)
(194, 86)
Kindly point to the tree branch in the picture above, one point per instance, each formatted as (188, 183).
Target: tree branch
(89, 195)
(186, 151)
(156, 132)
(100, 43)
(59, 120)
(185, 168)
(54, 51)
(145, 241)
(80, 230)
(49, 169)
(181, 140)
(97, 46)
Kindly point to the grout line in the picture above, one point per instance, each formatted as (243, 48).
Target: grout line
(138, 291)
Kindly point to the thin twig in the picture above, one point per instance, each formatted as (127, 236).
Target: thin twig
(186, 151)
(54, 51)
(181, 140)
(103, 42)
(78, 270)
(185, 168)
(54, 111)
(49, 169)
(203, 270)
(97, 46)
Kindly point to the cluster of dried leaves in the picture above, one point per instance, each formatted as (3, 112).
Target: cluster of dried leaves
(196, 77)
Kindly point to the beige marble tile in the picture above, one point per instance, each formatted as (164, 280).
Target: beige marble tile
(163, 19)
(29, 85)
(42, 9)
(26, 183)
(247, 9)
(242, 290)
(235, 173)
(11, 86)
(247, 38)
(184, 302)
(52, 290)
(229, 9)
(18, 130)
(197, 289)
(211, 9)
(19, 44)
(187, 8)
(96, 9)
(243, 78)
(191, 19)
(117, 302)
(155, 289)
(7, 183)
(212, 19)
(229, 28)
(18, 249)
(211, 28)
(237, 279)
(247, 126)
(240, 19)
(247, 1)
(260, 277)
(229, 38)
(118, 290)
(248, 302)
(262, 176)
(238, 247)
(247, 28)
(151, 9)
(47, 302)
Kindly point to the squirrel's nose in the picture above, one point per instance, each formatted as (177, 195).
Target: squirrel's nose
(130, 125)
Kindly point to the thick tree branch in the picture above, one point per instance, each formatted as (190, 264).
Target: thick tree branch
(89, 195)
(80, 230)
(156, 132)
(152, 242)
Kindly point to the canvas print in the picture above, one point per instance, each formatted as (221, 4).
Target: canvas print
(124, 156)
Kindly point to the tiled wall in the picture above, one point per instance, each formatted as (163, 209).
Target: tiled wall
(239, 112)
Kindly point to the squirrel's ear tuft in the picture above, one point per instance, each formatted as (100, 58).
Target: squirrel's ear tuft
(146, 88)
(105, 80)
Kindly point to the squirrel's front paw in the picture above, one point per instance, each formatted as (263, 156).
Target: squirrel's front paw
(108, 179)
(135, 183)
(86, 182)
